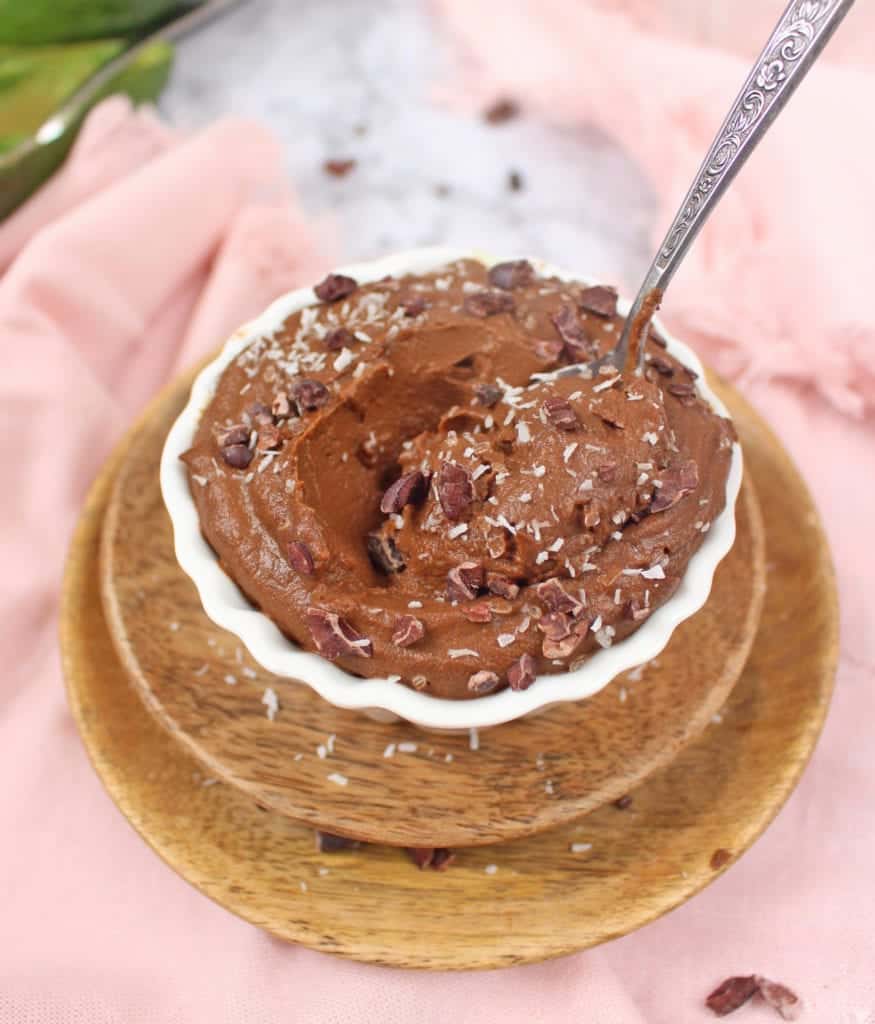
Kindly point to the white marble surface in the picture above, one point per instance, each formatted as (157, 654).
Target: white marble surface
(359, 78)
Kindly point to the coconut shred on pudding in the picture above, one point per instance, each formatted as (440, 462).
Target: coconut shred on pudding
(389, 481)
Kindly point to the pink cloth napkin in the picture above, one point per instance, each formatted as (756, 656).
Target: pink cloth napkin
(147, 249)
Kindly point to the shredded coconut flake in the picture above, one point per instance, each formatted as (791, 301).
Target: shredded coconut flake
(655, 572)
(337, 779)
(505, 639)
(580, 847)
(473, 739)
(270, 700)
(462, 652)
(407, 748)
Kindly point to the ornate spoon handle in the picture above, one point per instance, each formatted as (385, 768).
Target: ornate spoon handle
(803, 31)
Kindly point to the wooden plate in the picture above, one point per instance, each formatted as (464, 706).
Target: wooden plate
(542, 900)
(527, 776)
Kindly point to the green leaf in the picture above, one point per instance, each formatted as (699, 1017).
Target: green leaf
(60, 21)
(143, 80)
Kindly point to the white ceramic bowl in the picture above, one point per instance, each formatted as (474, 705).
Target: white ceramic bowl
(227, 606)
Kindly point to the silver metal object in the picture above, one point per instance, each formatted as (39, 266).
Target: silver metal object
(804, 29)
(67, 114)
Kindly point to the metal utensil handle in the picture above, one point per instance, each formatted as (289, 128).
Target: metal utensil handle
(804, 29)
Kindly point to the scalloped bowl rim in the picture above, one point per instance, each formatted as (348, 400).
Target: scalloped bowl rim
(227, 607)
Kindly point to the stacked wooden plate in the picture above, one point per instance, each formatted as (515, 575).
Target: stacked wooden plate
(569, 828)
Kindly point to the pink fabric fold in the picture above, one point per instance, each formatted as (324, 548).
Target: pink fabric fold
(145, 251)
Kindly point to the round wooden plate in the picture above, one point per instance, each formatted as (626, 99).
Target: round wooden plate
(541, 899)
(527, 776)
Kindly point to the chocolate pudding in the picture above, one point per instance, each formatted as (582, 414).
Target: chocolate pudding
(399, 480)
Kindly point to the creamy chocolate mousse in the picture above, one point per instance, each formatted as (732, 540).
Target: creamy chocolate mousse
(401, 482)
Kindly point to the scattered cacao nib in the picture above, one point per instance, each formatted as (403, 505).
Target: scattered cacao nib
(521, 673)
(607, 472)
(557, 598)
(506, 439)
(442, 859)
(414, 306)
(488, 303)
(555, 625)
(339, 338)
(719, 858)
(477, 612)
(384, 554)
(408, 630)
(577, 346)
(237, 455)
(258, 413)
(488, 395)
(438, 859)
(677, 483)
(335, 287)
(682, 390)
(623, 803)
(548, 349)
(483, 682)
(501, 585)
(407, 489)
(327, 842)
(503, 109)
(511, 274)
(565, 647)
(335, 637)
(455, 490)
(515, 181)
(662, 366)
(236, 435)
(731, 994)
(599, 299)
(281, 406)
(780, 998)
(636, 611)
(338, 168)
(268, 437)
(309, 394)
(421, 856)
(464, 581)
(559, 412)
(300, 557)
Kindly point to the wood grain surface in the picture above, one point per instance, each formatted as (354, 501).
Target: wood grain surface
(541, 900)
(527, 776)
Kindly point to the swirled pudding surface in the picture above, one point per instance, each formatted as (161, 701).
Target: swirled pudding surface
(388, 479)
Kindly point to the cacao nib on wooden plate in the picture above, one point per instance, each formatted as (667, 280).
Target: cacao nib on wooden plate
(335, 637)
(327, 842)
(335, 287)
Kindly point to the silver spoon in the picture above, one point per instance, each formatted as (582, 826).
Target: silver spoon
(802, 32)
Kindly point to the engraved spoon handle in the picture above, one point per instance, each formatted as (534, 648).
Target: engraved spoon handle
(804, 29)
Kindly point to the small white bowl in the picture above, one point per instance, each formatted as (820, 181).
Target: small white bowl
(227, 606)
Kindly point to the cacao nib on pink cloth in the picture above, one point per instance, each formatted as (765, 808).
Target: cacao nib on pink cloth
(405, 490)
(780, 998)
(512, 274)
(335, 287)
(731, 994)
(335, 637)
